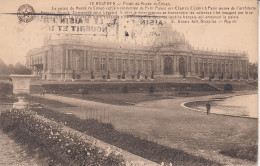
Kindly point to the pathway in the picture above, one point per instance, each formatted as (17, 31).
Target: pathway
(10, 152)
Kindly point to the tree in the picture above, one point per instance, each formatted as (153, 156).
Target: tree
(3, 67)
(11, 69)
(21, 69)
(253, 70)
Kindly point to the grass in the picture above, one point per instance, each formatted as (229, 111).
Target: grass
(141, 147)
(183, 128)
(134, 98)
(51, 103)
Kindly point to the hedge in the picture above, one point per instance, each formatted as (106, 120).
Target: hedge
(132, 87)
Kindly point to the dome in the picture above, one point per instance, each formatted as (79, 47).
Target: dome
(168, 36)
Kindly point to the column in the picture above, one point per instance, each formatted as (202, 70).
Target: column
(157, 70)
(148, 69)
(52, 59)
(212, 65)
(220, 65)
(71, 61)
(99, 60)
(129, 64)
(174, 64)
(90, 61)
(85, 60)
(246, 67)
(161, 60)
(177, 64)
(46, 61)
(192, 67)
(114, 62)
(135, 63)
(203, 67)
(142, 68)
(67, 58)
(106, 65)
(62, 64)
(208, 66)
(82, 60)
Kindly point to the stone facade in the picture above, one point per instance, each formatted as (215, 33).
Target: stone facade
(67, 58)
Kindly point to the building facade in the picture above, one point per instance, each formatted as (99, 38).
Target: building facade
(67, 58)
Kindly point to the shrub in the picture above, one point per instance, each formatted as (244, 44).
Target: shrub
(151, 89)
(84, 91)
(92, 75)
(138, 74)
(125, 89)
(73, 74)
(152, 76)
(108, 74)
(123, 75)
(228, 87)
(5, 89)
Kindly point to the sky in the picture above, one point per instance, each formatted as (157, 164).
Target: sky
(16, 39)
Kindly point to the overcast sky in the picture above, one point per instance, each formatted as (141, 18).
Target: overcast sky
(16, 39)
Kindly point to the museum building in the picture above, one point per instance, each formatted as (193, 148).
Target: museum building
(66, 57)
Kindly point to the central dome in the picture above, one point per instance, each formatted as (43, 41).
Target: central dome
(168, 36)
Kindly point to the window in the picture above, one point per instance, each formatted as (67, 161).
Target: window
(205, 68)
(95, 64)
(139, 65)
(150, 68)
(110, 64)
(196, 68)
(145, 64)
(117, 64)
(210, 68)
(102, 64)
(124, 64)
(77, 62)
(131, 65)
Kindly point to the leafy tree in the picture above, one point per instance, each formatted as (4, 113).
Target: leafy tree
(253, 70)
(21, 69)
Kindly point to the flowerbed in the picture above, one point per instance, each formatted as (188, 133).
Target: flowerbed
(66, 148)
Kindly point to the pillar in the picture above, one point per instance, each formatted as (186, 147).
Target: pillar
(135, 63)
(84, 60)
(67, 58)
(161, 59)
(175, 65)
(106, 65)
(142, 65)
(71, 60)
(62, 66)
(208, 67)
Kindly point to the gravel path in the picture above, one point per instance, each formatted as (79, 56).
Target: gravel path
(11, 154)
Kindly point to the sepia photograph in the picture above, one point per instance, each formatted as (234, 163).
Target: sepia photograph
(129, 83)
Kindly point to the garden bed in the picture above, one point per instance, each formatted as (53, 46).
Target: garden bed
(50, 139)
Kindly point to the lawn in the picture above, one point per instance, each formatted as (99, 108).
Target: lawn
(173, 126)
(134, 98)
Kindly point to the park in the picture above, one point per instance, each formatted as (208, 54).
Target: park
(144, 122)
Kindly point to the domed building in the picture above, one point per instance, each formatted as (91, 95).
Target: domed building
(168, 54)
